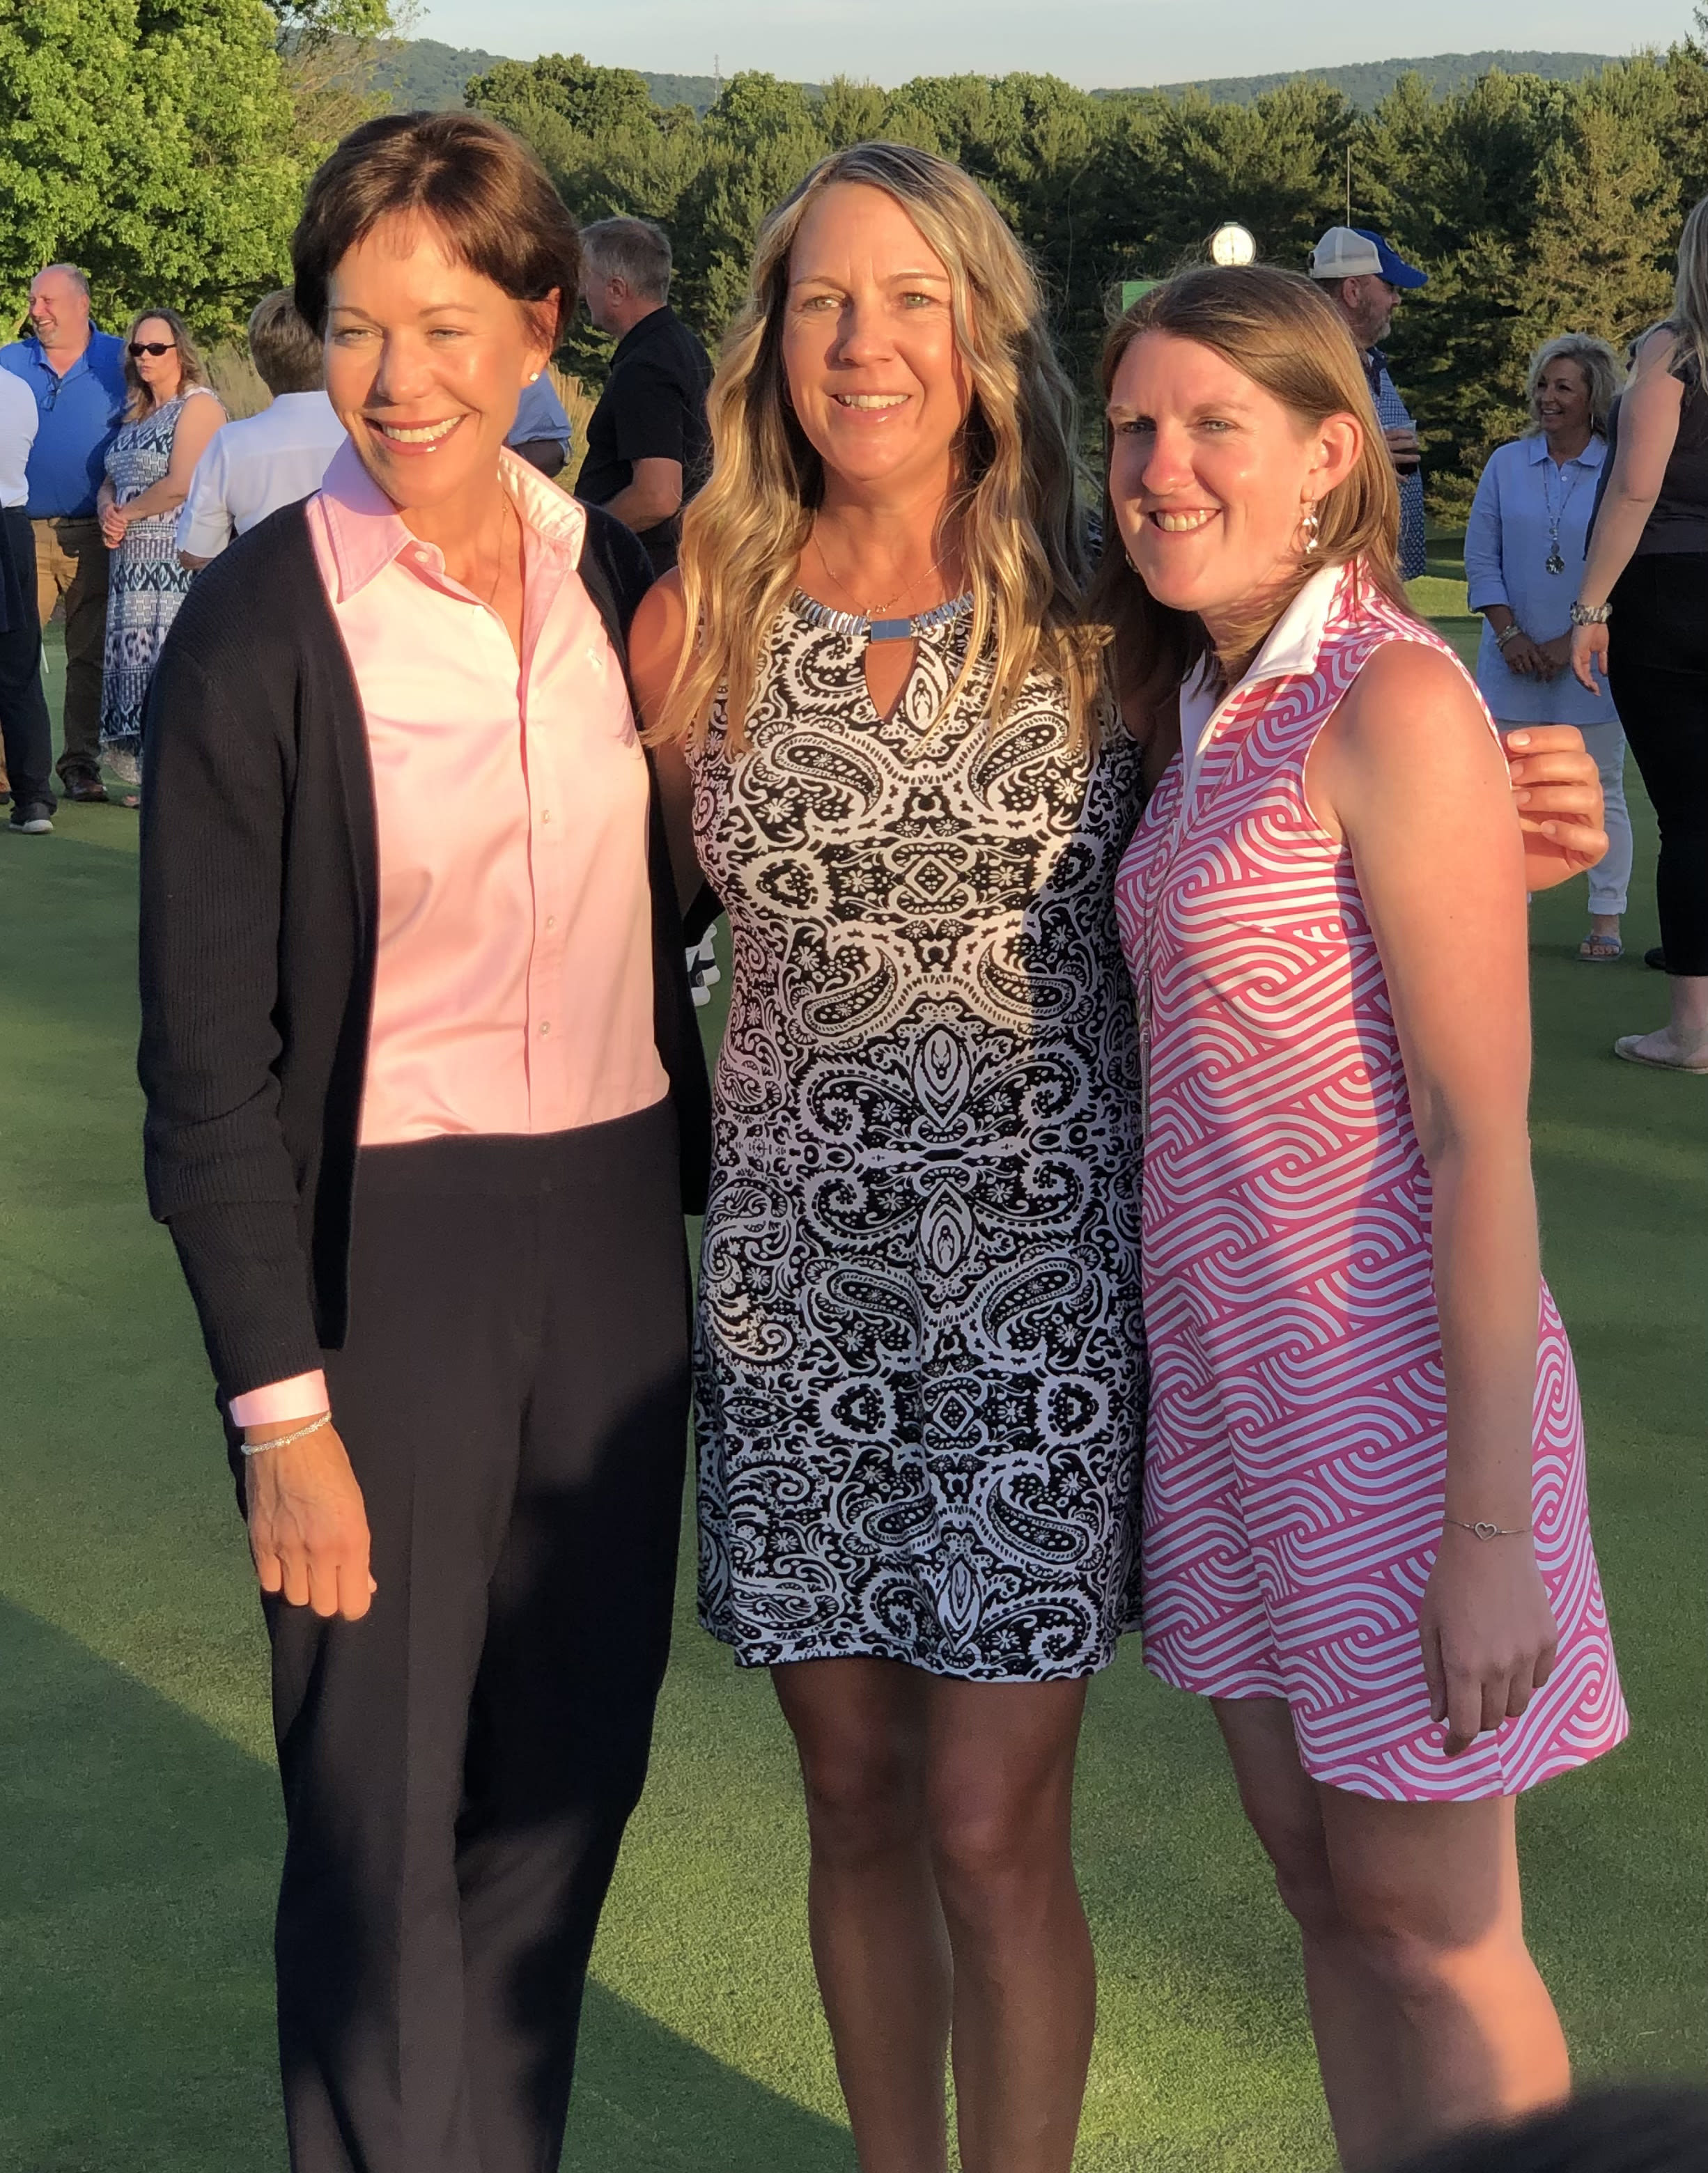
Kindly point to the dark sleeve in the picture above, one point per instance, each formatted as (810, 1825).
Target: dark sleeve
(545, 454)
(218, 1173)
(648, 414)
(621, 557)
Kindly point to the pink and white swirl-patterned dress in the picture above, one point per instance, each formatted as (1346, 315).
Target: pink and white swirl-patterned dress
(1297, 1449)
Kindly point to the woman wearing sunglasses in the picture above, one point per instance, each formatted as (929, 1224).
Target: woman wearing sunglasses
(170, 415)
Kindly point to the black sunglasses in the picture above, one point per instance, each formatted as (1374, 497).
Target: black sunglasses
(155, 348)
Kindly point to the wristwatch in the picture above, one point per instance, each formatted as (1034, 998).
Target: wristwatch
(1581, 615)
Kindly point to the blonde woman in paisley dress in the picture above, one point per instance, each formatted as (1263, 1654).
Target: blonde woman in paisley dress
(920, 1359)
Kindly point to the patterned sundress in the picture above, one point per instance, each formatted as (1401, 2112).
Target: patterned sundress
(1296, 1469)
(919, 1355)
(145, 582)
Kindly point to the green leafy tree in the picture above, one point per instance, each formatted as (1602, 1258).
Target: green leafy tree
(149, 140)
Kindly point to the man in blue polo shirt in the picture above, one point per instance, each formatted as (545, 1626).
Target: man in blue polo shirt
(77, 375)
(1365, 279)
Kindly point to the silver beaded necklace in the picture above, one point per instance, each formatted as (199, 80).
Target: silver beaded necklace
(881, 630)
(1555, 562)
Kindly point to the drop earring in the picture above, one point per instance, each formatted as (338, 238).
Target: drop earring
(1309, 523)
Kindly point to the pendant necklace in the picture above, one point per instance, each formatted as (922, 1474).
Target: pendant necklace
(1555, 562)
(872, 624)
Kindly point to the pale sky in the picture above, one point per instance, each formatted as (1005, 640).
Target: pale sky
(1092, 42)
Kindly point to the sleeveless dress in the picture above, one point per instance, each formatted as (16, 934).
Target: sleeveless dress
(145, 582)
(919, 1354)
(1296, 1463)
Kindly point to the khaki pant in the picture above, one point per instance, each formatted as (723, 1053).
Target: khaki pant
(71, 568)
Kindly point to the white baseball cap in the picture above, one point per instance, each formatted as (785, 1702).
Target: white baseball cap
(1358, 252)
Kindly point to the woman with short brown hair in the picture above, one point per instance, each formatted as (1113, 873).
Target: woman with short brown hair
(425, 1104)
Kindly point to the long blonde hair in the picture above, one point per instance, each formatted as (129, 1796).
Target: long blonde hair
(1019, 528)
(1688, 322)
(1278, 329)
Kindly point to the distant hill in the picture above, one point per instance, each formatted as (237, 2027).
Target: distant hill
(1367, 81)
(421, 73)
(424, 76)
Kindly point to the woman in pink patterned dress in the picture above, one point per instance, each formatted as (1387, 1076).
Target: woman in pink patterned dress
(1366, 1531)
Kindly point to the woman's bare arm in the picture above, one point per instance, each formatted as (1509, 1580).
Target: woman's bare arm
(657, 640)
(1407, 771)
(1649, 417)
(200, 419)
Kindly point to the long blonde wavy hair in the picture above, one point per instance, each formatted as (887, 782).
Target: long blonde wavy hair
(1688, 322)
(1015, 510)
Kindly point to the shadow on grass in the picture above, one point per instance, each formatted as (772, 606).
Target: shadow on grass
(140, 1852)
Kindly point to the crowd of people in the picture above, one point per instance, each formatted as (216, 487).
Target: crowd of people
(1116, 1190)
(122, 478)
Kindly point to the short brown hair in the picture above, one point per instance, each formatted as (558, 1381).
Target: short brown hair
(484, 190)
(1280, 330)
(633, 249)
(190, 362)
(286, 351)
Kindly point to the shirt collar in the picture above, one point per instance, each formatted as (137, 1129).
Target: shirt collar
(367, 533)
(1593, 453)
(1296, 637)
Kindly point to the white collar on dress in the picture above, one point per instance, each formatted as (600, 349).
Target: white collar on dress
(1290, 652)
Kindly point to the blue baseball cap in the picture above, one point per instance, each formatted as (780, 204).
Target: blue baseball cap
(1359, 252)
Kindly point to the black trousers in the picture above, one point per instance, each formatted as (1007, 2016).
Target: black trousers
(1657, 668)
(25, 730)
(458, 1766)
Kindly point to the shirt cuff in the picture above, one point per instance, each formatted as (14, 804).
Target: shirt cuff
(302, 1397)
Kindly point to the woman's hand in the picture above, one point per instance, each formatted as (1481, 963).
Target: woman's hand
(1589, 653)
(308, 1526)
(1522, 655)
(1554, 655)
(1558, 792)
(112, 516)
(1488, 1633)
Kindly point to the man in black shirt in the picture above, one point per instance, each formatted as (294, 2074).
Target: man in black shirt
(647, 446)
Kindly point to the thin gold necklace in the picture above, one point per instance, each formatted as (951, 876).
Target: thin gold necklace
(505, 512)
(872, 610)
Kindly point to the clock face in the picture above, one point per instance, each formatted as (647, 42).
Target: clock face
(1232, 244)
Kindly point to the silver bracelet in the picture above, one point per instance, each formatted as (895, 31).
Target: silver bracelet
(278, 1441)
(1483, 1530)
(1511, 634)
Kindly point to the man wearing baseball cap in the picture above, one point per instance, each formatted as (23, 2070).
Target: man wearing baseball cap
(1365, 279)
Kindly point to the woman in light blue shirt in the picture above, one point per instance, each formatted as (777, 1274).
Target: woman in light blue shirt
(1524, 554)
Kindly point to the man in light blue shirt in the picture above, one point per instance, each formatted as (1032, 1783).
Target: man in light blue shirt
(76, 373)
(541, 432)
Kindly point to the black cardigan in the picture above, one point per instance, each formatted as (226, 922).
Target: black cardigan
(259, 881)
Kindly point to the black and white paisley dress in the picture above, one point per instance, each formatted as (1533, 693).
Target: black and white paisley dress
(920, 1366)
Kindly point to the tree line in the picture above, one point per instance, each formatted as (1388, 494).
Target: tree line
(164, 144)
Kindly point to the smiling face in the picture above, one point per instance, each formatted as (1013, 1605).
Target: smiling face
(1210, 474)
(1563, 400)
(59, 311)
(875, 375)
(425, 360)
(161, 374)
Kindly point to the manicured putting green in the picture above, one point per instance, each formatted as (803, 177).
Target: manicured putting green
(139, 1826)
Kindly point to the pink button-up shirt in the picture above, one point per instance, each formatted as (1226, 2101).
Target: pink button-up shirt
(513, 981)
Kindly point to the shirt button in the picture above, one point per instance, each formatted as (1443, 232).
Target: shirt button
(551, 921)
(545, 1026)
(545, 814)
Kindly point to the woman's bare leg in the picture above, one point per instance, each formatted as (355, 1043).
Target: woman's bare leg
(1429, 1894)
(1429, 2015)
(878, 1943)
(1350, 2017)
(1000, 1783)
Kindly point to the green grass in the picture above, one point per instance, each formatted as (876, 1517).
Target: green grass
(139, 1826)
